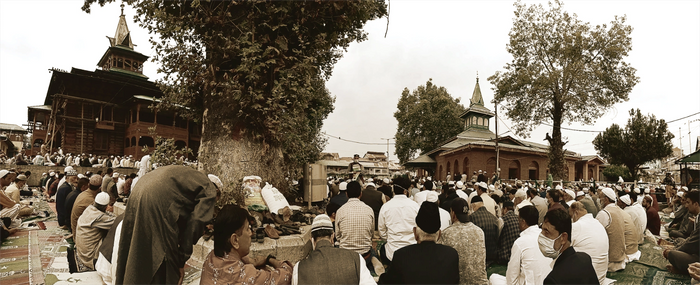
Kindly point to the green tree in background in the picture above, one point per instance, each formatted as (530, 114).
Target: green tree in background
(254, 73)
(614, 171)
(644, 139)
(427, 116)
(563, 70)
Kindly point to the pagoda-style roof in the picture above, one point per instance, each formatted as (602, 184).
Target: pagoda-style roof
(122, 37)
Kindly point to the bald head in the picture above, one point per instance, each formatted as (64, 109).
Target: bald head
(577, 210)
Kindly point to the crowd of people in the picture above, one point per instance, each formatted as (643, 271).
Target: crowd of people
(386, 231)
(58, 158)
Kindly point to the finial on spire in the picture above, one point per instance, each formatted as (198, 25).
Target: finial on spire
(122, 5)
(477, 76)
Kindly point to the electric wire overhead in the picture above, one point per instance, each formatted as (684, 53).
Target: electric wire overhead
(352, 141)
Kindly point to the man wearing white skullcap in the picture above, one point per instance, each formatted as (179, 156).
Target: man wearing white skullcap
(569, 197)
(639, 216)
(620, 228)
(93, 224)
(85, 199)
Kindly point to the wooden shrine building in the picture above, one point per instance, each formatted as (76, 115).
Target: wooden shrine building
(106, 111)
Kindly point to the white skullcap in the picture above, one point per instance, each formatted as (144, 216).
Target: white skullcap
(626, 199)
(115, 175)
(102, 198)
(680, 194)
(558, 187)
(214, 179)
(483, 185)
(521, 194)
(684, 188)
(459, 185)
(570, 193)
(68, 168)
(580, 193)
(492, 188)
(4, 172)
(81, 176)
(386, 180)
(647, 191)
(431, 196)
(371, 184)
(480, 171)
(636, 190)
(370, 180)
(610, 194)
(498, 192)
(585, 190)
(50, 173)
(343, 186)
(96, 180)
(322, 222)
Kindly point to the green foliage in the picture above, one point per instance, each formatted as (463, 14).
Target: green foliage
(563, 70)
(614, 171)
(254, 69)
(643, 140)
(427, 116)
(165, 152)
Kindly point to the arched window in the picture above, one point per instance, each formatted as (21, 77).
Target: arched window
(490, 166)
(456, 167)
(448, 170)
(533, 170)
(514, 169)
(465, 167)
(126, 142)
(133, 141)
(146, 141)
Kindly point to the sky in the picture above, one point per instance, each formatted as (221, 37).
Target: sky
(448, 41)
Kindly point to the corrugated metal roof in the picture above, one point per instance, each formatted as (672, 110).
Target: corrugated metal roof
(40, 107)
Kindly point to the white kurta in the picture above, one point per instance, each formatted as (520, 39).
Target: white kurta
(527, 265)
(589, 236)
(396, 221)
(639, 217)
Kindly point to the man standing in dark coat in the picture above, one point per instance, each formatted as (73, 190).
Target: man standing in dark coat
(165, 216)
(425, 262)
(570, 267)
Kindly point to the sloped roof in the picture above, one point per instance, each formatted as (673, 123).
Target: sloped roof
(11, 127)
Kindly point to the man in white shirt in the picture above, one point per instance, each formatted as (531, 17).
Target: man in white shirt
(445, 219)
(589, 236)
(637, 212)
(397, 218)
(527, 265)
(489, 203)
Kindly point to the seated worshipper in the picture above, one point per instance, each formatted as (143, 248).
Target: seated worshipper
(653, 219)
(527, 264)
(106, 260)
(13, 192)
(420, 196)
(163, 241)
(397, 220)
(687, 252)
(229, 262)
(694, 271)
(589, 236)
(374, 199)
(386, 188)
(489, 224)
(354, 224)
(570, 267)
(520, 200)
(681, 226)
(93, 225)
(425, 262)
(587, 203)
(620, 230)
(327, 264)
(342, 197)
(508, 234)
(85, 199)
(468, 240)
(449, 195)
(569, 197)
(445, 220)
(61, 195)
(70, 199)
(539, 202)
(638, 215)
(488, 202)
(553, 199)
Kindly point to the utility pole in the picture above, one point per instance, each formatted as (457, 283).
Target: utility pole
(498, 167)
(680, 140)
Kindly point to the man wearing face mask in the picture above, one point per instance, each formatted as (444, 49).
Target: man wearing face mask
(570, 267)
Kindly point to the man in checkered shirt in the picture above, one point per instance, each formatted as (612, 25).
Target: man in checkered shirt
(354, 224)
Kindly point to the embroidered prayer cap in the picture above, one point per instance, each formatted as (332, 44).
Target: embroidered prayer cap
(428, 218)
(386, 180)
(459, 185)
(483, 185)
(21, 177)
(580, 193)
(3, 173)
(71, 173)
(571, 193)
(626, 199)
(102, 198)
(431, 196)
(343, 186)
(610, 194)
(322, 222)
(115, 175)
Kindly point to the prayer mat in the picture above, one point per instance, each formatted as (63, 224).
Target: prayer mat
(652, 255)
(498, 269)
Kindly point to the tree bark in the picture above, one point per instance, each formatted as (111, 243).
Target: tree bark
(231, 153)
(556, 146)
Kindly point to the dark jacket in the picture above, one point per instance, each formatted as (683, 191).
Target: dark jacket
(488, 223)
(329, 265)
(572, 268)
(61, 196)
(386, 189)
(373, 199)
(423, 263)
(340, 199)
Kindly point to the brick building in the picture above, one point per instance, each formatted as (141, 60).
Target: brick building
(474, 149)
(106, 111)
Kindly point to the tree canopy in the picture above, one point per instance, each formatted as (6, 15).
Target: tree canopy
(563, 70)
(254, 72)
(644, 139)
(427, 116)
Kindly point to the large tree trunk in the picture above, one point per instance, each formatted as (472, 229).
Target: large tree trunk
(556, 147)
(230, 153)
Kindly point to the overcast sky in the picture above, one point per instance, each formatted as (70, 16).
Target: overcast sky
(448, 41)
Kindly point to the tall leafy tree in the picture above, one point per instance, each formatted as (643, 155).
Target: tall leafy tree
(427, 116)
(254, 73)
(563, 70)
(644, 139)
